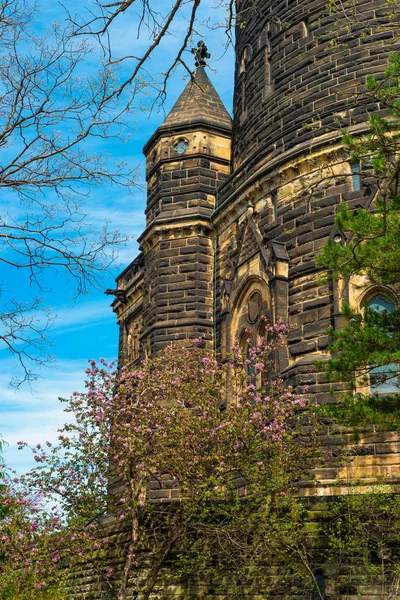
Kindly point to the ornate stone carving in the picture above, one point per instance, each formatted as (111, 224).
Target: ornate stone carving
(134, 329)
(254, 307)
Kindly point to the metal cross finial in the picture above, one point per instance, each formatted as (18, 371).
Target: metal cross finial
(200, 54)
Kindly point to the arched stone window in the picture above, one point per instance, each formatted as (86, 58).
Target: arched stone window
(383, 379)
(245, 58)
(251, 309)
(250, 304)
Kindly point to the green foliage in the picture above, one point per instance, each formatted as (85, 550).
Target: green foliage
(250, 546)
(367, 349)
(369, 341)
(51, 593)
(166, 426)
(373, 246)
(373, 236)
(362, 527)
(363, 530)
(359, 410)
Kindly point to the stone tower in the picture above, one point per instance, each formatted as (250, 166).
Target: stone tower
(233, 232)
(299, 71)
(169, 289)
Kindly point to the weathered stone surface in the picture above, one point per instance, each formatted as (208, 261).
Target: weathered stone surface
(222, 227)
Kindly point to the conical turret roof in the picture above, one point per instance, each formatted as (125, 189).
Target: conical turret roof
(199, 102)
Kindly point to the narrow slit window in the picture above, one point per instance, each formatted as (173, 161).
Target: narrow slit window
(246, 56)
(305, 29)
(356, 175)
(319, 592)
(268, 60)
(265, 45)
(243, 95)
(274, 201)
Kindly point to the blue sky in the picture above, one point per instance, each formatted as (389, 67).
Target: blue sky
(86, 328)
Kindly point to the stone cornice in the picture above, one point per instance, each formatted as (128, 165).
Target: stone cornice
(173, 159)
(173, 227)
(176, 192)
(258, 184)
(325, 143)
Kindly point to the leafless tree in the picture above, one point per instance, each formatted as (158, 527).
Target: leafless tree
(155, 20)
(50, 109)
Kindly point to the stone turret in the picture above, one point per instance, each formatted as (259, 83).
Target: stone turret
(226, 248)
(187, 158)
(299, 73)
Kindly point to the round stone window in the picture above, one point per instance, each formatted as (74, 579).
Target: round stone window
(254, 307)
(181, 146)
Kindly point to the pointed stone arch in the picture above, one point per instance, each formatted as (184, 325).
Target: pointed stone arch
(377, 290)
(251, 301)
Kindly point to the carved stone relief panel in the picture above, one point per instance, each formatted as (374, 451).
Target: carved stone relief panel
(254, 307)
(251, 307)
(133, 332)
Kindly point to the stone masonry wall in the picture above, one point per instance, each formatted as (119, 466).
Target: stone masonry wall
(177, 244)
(178, 284)
(305, 227)
(183, 185)
(316, 67)
(302, 222)
(373, 455)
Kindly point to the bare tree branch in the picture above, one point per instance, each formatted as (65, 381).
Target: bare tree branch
(157, 24)
(50, 110)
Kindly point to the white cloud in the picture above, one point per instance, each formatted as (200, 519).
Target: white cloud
(34, 416)
(81, 315)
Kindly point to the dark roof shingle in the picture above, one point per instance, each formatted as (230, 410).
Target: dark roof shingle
(199, 101)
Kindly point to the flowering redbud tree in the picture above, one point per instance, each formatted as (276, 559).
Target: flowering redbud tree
(182, 461)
